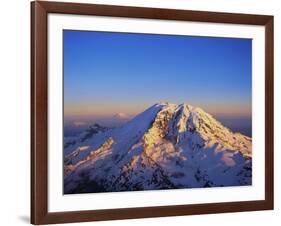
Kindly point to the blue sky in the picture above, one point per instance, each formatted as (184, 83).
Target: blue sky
(106, 73)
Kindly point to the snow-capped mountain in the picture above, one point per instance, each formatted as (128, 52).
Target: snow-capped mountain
(122, 116)
(88, 133)
(167, 146)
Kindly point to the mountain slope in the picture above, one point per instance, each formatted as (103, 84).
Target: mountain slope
(166, 146)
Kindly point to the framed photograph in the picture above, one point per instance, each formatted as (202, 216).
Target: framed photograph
(148, 112)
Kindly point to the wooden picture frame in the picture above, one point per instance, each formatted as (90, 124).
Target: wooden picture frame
(39, 112)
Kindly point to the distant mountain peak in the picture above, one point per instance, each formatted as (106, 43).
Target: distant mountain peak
(123, 116)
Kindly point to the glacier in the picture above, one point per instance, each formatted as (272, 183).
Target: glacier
(168, 146)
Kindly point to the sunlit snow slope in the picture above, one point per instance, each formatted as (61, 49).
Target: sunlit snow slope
(167, 146)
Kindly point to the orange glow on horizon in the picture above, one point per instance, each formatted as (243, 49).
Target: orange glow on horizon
(107, 110)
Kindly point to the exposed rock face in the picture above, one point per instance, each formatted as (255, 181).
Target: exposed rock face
(167, 146)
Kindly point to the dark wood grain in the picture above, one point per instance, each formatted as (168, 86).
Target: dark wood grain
(39, 117)
(269, 113)
(39, 109)
(153, 13)
(147, 212)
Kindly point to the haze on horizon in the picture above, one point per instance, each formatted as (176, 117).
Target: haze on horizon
(107, 73)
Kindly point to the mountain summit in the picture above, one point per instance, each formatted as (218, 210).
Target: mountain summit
(167, 146)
